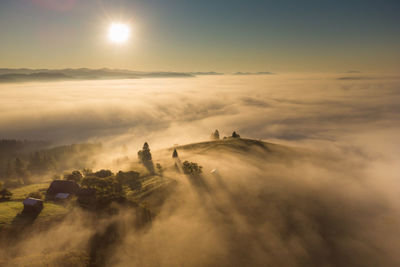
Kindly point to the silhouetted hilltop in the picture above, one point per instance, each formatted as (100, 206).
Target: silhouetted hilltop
(241, 147)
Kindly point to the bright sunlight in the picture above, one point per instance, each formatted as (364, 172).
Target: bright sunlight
(118, 33)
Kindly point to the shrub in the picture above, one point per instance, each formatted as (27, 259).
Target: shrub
(5, 194)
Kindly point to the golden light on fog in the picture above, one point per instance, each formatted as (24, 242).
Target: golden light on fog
(118, 33)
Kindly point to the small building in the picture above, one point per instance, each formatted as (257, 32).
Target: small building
(32, 205)
(62, 186)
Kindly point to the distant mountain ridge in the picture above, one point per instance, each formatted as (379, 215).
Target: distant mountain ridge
(24, 74)
(20, 75)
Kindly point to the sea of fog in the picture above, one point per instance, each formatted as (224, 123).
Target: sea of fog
(358, 111)
(339, 206)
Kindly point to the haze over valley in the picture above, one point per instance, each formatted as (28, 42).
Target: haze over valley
(199, 133)
(313, 186)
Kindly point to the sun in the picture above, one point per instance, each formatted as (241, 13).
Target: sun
(118, 33)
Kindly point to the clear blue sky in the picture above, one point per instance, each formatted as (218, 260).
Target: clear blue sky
(203, 35)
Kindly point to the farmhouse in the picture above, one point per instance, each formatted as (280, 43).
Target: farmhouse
(32, 205)
(62, 186)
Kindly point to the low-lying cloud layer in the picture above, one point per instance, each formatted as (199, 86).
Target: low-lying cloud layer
(265, 107)
(335, 202)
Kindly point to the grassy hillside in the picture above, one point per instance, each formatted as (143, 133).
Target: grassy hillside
(22, 192)
(151, 196)
(9, 211)
(237, 146)
(153, 186)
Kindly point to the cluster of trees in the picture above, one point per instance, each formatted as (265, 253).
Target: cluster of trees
(100, 188)
(75, 176)
(13, 147)
(235, 135)
(17, 169)
(191, 168)
(215, 135)
(16, 173)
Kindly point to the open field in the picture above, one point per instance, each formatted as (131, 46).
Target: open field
(10, 209)
(22, 192)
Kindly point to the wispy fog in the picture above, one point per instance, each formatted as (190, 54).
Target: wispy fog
(330, 198)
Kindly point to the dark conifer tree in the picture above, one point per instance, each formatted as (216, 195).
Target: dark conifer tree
(215, 135)
(175, 154)
(144, 156)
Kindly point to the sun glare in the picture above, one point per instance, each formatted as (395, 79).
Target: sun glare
(118, 33)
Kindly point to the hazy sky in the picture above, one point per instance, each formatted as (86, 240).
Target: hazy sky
(204, 35)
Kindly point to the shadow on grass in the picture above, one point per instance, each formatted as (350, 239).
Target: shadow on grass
(26, 217)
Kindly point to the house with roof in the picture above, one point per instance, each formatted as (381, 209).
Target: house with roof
(32, 205)
(66, 188)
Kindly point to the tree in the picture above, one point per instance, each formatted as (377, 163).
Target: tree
(191, 168)
(174, 154)
(21, 171)
(146, 146)
(74, 176)
(215, 135)
(10, 170)
(235, 135)
(144, 156)
(19, 167)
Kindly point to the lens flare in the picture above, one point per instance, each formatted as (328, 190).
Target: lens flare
(118, 33)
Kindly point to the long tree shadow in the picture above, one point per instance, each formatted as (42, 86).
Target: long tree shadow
(207, 195)
(224, 207)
